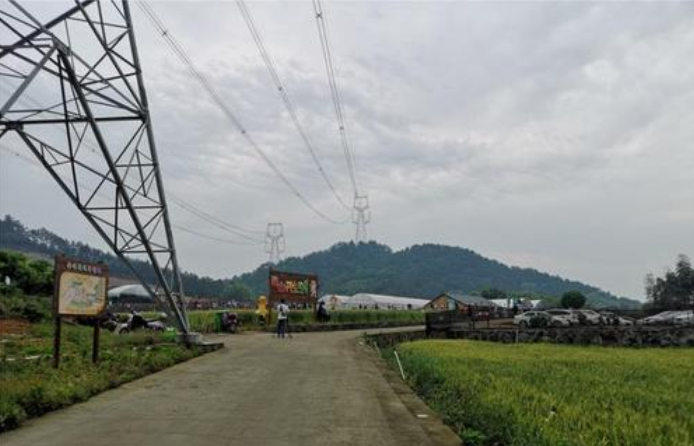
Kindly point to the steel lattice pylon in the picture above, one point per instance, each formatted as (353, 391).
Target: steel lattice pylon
(274, 242)
(73, 93)
(361, 215)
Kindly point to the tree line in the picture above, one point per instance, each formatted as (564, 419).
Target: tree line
(675, 290)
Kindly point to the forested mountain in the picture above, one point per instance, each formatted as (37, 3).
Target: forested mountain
(16, 237)
(345, 268)
(424, 271)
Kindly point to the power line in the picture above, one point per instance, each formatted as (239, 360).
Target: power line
(215, 221)
(322, 25)
(183, 204)
(216, 98)
(360, 208)
(250, 242)
(286, 98)
(209, 237)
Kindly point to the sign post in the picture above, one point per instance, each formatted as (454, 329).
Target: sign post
(80, 291)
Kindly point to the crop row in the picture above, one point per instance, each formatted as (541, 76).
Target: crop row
(543, 394)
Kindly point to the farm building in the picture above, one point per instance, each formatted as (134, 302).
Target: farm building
(455, 300)
(372, 301)
(334, 301)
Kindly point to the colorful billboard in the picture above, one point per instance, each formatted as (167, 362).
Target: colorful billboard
(292, 287)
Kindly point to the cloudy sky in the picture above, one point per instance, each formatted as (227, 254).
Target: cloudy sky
(553, 135)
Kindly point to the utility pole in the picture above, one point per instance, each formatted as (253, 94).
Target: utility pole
(274, 242)
(361, 215)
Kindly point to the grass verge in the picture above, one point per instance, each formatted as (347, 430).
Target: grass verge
(31, 387)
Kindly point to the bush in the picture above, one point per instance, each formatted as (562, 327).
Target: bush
(31, 308)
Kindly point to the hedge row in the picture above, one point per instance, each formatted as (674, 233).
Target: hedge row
(33, 387)
(207, 321)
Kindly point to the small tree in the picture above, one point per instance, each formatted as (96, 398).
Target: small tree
(237, 291)
(573, 299)
(494, 293)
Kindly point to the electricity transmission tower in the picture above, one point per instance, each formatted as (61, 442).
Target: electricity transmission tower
(274, 242)
(87, 121)
(361, 215)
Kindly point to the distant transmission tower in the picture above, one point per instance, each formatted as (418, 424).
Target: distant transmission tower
(274, 242)
(361, 215)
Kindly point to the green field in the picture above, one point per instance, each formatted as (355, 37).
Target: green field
(555, 395)
(204, 321)
(31, 387)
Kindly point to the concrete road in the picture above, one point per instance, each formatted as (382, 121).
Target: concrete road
(315, 389)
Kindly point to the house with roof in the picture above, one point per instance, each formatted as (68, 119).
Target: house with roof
(457, 300)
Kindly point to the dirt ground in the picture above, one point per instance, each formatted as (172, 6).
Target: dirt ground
(13, 327)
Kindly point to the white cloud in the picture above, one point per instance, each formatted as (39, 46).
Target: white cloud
(554, 135)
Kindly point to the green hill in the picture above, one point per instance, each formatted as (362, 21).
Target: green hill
(345, 268)
(424, 271)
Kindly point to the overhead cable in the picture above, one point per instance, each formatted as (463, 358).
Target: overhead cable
(216, 98)
(322, 25)
(248, 242)
(286, 98)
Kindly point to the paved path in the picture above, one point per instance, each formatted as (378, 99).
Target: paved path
(315, 389)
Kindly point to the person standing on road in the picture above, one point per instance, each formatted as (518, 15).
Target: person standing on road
(282, 319)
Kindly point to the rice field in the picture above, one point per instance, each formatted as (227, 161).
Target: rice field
(558, 395)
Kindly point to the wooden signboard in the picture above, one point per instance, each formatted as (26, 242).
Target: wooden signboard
(80, 291)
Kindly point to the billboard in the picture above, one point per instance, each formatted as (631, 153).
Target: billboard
(292, 287)
(81, 287)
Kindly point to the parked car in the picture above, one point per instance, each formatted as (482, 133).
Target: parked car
(588, 317)
(569, 315)
(668, 318)
(684, 318)
(609, 318)
(539, 319)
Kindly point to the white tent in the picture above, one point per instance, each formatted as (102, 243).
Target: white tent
(383, 302)
(128, 290)
(371, 301)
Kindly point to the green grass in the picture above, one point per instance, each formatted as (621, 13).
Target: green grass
(204, 321)
(556, 395)
(30, 388)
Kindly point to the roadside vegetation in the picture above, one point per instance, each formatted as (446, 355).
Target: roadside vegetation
(543, 394)
(31, 386)
(208, 322)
